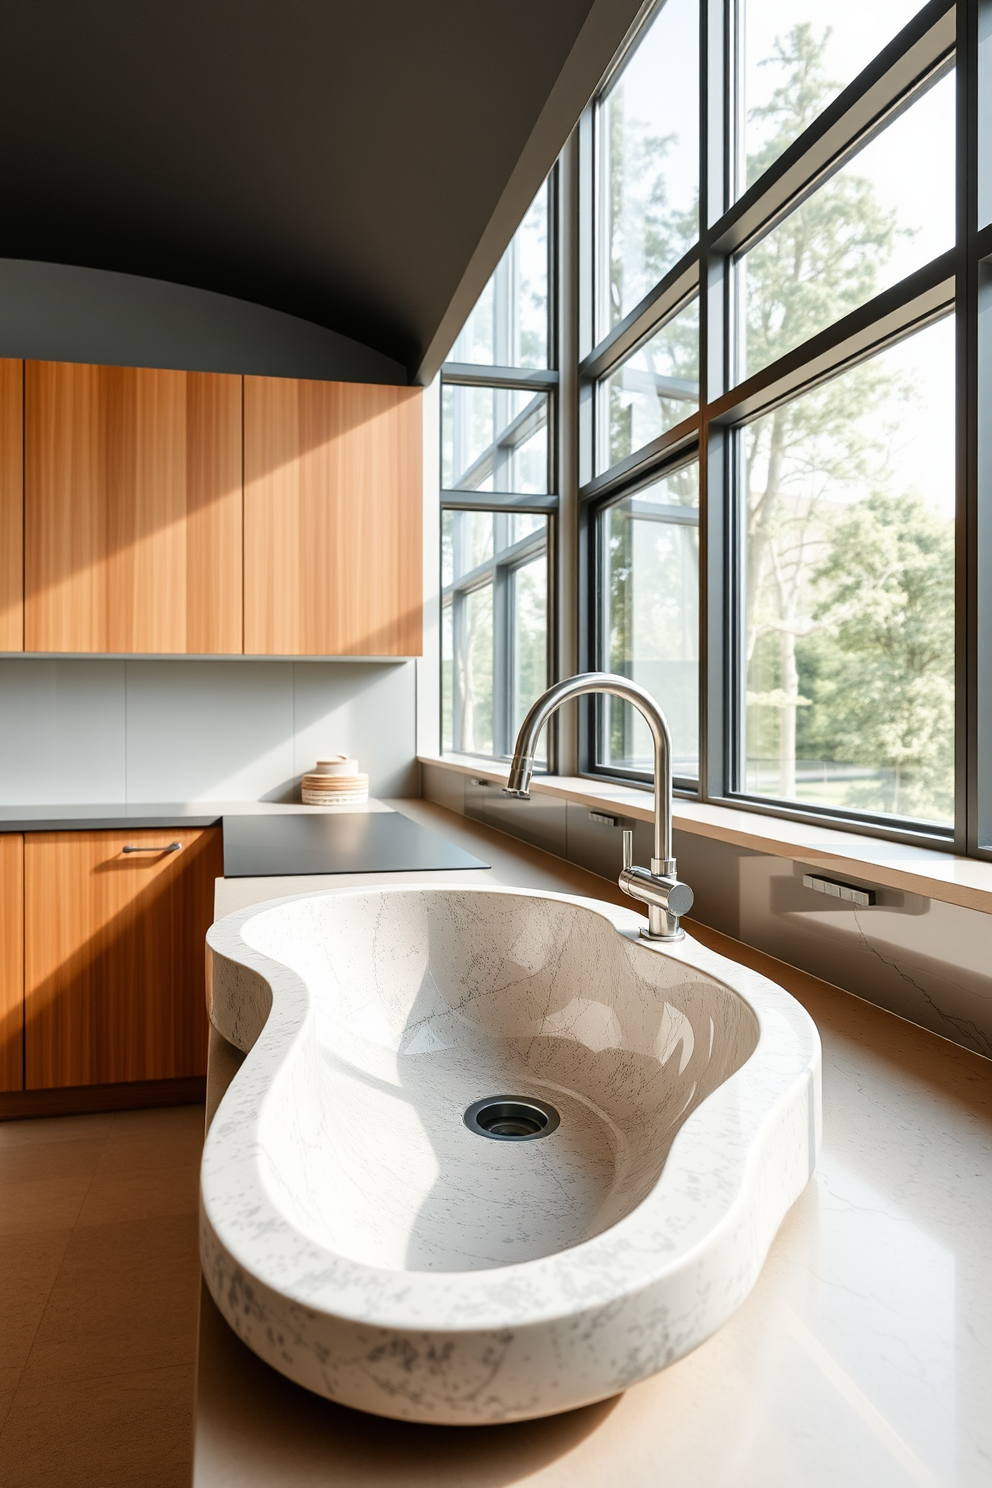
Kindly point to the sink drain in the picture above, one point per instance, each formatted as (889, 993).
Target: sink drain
(510, 1118)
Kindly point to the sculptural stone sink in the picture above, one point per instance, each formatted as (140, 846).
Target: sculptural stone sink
(364, 1234)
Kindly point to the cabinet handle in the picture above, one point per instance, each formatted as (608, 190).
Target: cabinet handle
(171, 847)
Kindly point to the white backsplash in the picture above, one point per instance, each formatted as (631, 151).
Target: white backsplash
(104, 731)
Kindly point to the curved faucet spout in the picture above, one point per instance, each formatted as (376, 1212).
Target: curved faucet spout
(659, 890)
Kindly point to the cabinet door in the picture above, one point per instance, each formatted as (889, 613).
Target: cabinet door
(333, 519)
(133, 506)
(11, 505)
(11, 961)
(114, 956)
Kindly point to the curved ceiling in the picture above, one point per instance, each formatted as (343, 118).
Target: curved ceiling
(361, 165)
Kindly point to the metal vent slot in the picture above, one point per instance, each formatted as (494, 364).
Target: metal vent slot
(850, 893)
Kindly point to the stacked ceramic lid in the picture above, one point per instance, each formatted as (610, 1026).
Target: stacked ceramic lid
(335, 782)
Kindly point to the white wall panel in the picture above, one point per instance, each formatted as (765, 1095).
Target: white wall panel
(209, 731)
(62, 732)
(363, 709)
(80, 732)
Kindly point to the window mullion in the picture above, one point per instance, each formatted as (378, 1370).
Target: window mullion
(716, 104)
(974, 556)
(458, 664)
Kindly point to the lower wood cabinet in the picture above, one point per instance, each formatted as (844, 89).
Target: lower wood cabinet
(11, 961)
(114, 955)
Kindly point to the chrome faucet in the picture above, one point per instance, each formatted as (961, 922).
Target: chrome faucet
(659, 888)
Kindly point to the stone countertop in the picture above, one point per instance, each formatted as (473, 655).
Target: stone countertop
(863, 1356)
(101, 818)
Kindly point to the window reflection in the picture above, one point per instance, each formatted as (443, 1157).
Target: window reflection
(798, 55)
(494, 626)
(886, 213)
(652, 391)
(509, 324)
(649, 162)
(529, 637)
(494, 439)
(650, 543)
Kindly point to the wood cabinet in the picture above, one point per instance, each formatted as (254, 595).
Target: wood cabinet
(133, 508)
(113, 955)
(333, 519)
(11, 961)
(145, 531)
(11, 505)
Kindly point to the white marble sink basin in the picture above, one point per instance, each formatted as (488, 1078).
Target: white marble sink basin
(362, 1239)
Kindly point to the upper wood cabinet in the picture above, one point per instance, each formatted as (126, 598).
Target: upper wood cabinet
(144, 530)
(113, 960)
(333, 519)
(133, 506)
(11, 505)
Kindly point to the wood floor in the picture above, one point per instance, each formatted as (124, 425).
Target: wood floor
(99, 1284)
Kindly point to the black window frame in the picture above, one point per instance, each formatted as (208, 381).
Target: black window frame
(959, 282)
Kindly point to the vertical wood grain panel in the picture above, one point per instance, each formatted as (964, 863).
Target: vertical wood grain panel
(114, 959)
(273, 507)
(11, 961)
(144, 445)
(214, 557)
(333, 519)
(11, 505)
(64, 522)
(132, 510)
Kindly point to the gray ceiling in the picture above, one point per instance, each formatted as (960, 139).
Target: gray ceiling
(359, 164)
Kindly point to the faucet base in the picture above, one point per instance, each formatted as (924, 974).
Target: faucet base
(647, 934)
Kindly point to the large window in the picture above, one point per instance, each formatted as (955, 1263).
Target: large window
(777, 433)
(814, 649)
(498, 495)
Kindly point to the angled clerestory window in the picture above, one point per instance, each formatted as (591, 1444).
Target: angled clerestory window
(498, 497)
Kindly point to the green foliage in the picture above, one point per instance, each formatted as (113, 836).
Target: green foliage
(881, 677)
(638, 184)
(849, 583)
(822, 261)
(800, 97)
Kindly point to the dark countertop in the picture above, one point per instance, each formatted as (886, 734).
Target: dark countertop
(356, 842)
(97, 818)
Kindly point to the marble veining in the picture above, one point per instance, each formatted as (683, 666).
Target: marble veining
(362, 1240)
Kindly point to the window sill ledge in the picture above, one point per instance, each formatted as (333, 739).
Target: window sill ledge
(895, 865)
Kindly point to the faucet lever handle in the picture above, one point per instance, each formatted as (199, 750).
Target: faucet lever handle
(628, 849)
